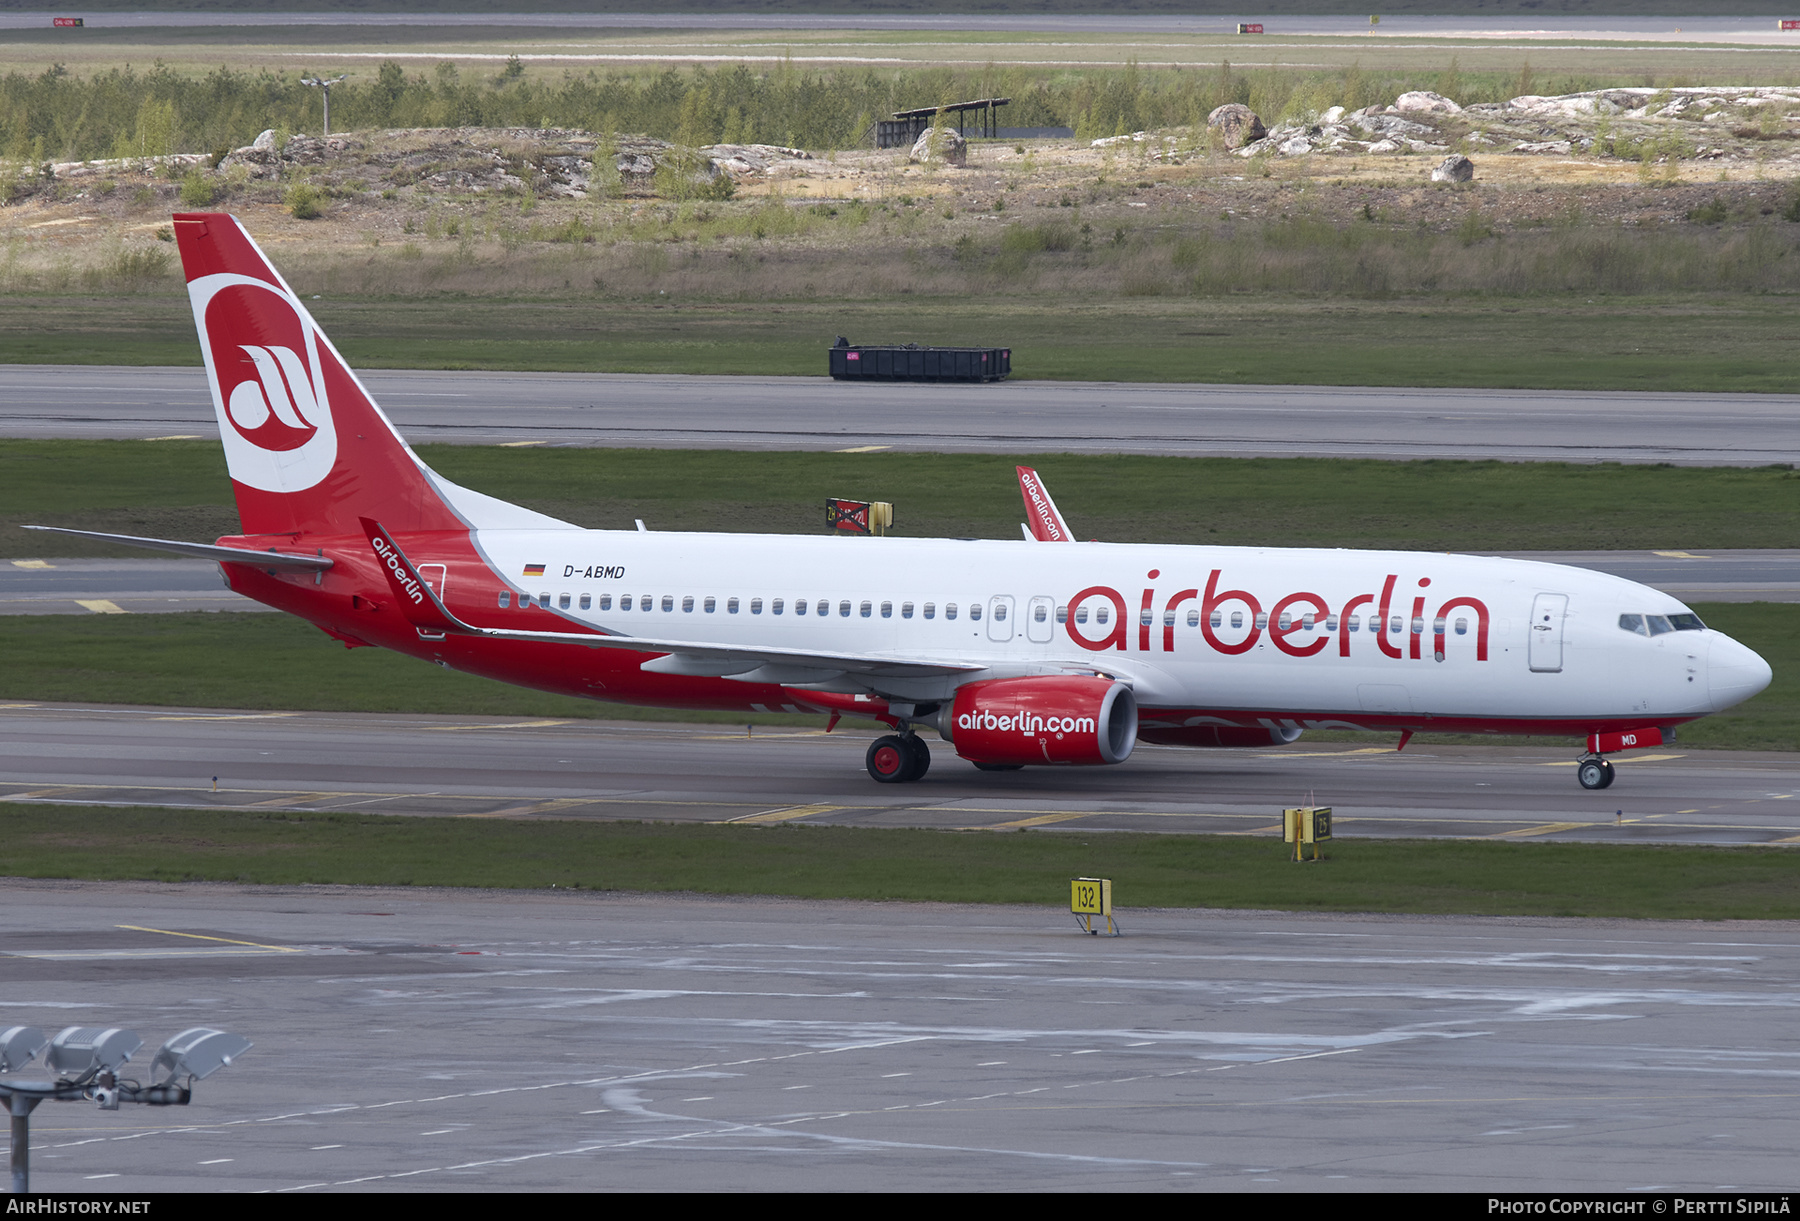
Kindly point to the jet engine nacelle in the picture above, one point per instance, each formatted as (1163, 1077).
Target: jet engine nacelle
(1218, 735)
(1054, 719)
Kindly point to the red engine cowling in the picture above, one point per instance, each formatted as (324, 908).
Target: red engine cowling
(1217, 735)
(1055, 719)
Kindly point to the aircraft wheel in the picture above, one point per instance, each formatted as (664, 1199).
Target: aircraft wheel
(889, 761)
(999, 767)
(1607, 765)
(1594, 773)
(918, 757)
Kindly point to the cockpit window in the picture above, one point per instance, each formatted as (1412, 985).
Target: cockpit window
(1633, 623)
(1687, 623)
(1659, 624)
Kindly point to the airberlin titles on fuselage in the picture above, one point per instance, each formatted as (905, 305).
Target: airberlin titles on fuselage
(1296, 614)
(1292, 622)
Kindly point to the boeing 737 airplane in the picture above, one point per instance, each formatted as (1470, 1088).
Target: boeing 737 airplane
(1038, 651)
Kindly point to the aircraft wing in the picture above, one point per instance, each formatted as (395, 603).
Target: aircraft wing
(791, 667)
(288, 561)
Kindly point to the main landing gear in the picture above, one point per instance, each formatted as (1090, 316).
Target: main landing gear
(1594, 772)
(898, 758)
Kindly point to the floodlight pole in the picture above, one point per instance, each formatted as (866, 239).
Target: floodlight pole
(21, 1106)
(324, 86)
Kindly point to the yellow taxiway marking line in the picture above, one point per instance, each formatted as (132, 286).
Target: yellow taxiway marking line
(518, 444)
(535, 807)
(1041, 820)
(786, 814)
(1549, 828)
(18, 705)
(31, 564)
(228, 716)
(1328, 754)
(862, 449)
(1620, 758)
(101, 606)
(180, 436)
(509, 725)
(138, 928)
(1680, 555)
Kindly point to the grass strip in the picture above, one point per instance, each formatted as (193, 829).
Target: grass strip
(1699, 342)
(1438, 877)
(179, 489)
(226, 660)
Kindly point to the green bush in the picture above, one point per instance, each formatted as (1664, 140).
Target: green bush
(305, 201)
(197, 191)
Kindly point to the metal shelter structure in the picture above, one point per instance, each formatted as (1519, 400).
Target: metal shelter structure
(905, 128)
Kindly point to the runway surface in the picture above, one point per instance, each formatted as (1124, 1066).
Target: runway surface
(491, 767)
(411, 1040)
(1023, 417)
(130, 586)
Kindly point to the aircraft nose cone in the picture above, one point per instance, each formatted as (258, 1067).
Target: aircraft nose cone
(1734, 673)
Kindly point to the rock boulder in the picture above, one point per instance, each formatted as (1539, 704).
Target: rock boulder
(1454, 168)
(940, 144)
(1237, 123)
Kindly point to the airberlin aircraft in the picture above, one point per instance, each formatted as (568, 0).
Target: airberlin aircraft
(1038, 651)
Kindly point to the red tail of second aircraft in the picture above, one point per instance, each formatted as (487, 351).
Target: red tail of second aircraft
(308, 450)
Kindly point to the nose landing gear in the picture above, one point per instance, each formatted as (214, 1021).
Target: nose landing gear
(1594, 772)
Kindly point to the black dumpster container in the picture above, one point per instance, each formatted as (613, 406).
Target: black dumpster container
(911, 363)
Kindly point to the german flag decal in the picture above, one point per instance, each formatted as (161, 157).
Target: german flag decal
(534, 570)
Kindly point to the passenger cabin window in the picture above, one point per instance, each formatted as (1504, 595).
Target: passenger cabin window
(563, 602)
(974, 610)
(1193, 618)
(506, 597)
(587, 600)
(931, 610)
(949, 610)
(1102, 614)
(687, 604)
(669, 604)
(824, 608)
(799, 606)
(1081, 614)
(1062, 614)
(625, 602)
(1040, 613)
(1237, 618)
(887, 610)
(843, 610)
(906, 610)
(605, 601)
(999, 612)
(710, 605)
(544, 599)
(1462, 627)
(731, 606)
(774, 607)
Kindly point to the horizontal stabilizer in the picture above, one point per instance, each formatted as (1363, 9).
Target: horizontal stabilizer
(205, 551)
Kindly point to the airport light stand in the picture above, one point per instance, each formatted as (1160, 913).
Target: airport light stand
(87, 1060)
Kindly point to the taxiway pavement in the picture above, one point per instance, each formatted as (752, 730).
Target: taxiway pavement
(538, 768)
(413, 1040)
(1019, 417)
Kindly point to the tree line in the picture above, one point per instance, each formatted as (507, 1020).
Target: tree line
(123, 112)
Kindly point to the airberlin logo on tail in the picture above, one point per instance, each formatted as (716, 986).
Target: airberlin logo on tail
(273, 409)
(265, 361)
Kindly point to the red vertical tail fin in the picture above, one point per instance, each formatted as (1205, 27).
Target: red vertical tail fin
(308, 450)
